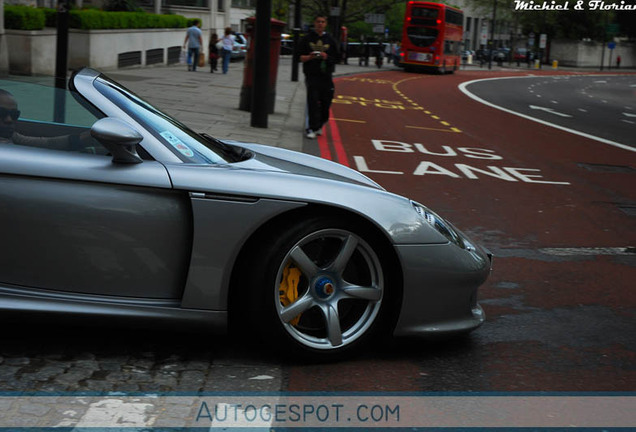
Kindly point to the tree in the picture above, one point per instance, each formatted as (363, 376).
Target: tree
(351, 11)
(566, 24)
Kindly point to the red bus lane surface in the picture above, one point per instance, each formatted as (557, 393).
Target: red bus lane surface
(556, 209)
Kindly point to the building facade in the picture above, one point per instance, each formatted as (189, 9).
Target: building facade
(479, 28)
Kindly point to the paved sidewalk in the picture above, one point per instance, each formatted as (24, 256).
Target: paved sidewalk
(208, 102)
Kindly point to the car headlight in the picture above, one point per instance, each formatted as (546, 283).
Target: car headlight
(440, 225)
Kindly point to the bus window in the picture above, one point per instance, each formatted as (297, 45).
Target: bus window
(424, 16)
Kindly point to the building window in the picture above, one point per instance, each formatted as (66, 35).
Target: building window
(220, 6)
(244, 4)
(192, 3)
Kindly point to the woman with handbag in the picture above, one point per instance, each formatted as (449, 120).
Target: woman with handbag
(228, 44)
(214, 51)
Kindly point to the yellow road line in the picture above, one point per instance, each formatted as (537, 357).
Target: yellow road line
(453, 130)
(416, 106)
(350, 120)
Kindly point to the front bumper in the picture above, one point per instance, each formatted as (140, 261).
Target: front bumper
(440, 289)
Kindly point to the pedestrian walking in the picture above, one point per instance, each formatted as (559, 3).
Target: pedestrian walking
(194, 42)
(618, 62)
(228, 45)
(318, 52)
(388, 52)
(213, 51)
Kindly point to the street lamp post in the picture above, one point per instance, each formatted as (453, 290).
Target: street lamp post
(261, 63)
(492, 33)
(61, 60)
(295, 59)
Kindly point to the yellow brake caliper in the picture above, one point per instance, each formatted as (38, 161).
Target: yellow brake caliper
(288, 289)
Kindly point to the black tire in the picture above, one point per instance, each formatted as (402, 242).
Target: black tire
(340, 300)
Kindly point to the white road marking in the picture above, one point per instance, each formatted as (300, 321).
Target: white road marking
(629, 114)
(262, 377)
(550, 110)
(589, 251)
(463, 87)
(113, 412)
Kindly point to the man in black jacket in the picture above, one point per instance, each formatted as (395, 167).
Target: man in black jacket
(318, 52)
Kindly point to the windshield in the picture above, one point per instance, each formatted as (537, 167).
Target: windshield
(38, 100)
(186, 144)
(422, 36)
(41, 115)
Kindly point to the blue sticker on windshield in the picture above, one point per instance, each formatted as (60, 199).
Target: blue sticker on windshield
(177, 143)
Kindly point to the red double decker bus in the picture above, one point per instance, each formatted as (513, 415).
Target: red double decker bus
(432, 36)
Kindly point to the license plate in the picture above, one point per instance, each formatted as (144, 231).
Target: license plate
(421, 57)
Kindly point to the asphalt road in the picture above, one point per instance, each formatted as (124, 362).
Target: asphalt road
(601, 107)
(556, 208)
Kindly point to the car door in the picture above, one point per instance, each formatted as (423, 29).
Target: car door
(79, 223)
(75, 222)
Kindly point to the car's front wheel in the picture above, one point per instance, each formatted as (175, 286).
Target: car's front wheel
(322, 286)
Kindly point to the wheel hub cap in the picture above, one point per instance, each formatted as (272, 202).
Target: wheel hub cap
(324, 288)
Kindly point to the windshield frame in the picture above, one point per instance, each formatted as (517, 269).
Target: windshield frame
(186, 145)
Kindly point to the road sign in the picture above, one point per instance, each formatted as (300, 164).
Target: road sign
(370, 18)
(483, 37)
(543, 40)
(611, 45)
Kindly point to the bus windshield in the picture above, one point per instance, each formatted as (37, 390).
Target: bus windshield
(422, 36)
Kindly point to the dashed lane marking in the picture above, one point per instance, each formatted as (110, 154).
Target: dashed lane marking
(464, 88)
(349, 120)
(629, 250)
(454, 130)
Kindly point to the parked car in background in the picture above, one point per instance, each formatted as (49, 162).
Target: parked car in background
(521, 55)
(501, 55)
(467, 53)
(286, 46)
(240, 46)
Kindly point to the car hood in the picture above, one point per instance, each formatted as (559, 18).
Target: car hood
(267, 158)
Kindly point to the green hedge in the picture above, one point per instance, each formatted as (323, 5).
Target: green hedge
(23, 17)
(29, 18)
(51, 17)
(95, 19)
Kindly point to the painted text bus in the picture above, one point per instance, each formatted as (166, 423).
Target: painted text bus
(432, 36)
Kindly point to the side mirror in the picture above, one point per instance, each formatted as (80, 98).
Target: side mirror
(119, 138)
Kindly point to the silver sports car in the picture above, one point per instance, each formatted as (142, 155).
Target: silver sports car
(111, 208)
